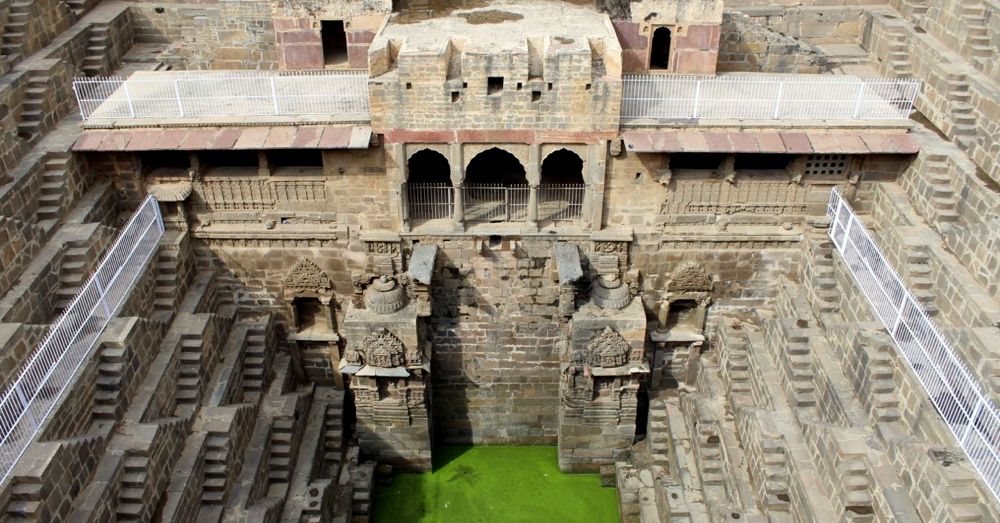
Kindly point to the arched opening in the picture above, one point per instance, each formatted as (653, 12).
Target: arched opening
(659, 53)
(495, 167)
(428, 189)
(562, 189)
(496, 188)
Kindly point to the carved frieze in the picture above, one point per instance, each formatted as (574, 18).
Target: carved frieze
(383, 349)
(305, 277)
(608, 349)
(690, 277)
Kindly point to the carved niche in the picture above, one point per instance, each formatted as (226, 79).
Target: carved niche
(306, 278)
(690, 277)
(383, 349)
(608, 349)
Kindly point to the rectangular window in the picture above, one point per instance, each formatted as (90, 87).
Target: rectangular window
(831, 164)
(494, 85)
(334, 42)
(695, 161)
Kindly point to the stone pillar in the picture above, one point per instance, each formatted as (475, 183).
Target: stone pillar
(595, 185)
(263, 164)
(404, 206)
(458, 181)
(533, 204)
(459, 211)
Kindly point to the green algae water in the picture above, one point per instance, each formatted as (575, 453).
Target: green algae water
(495, 485)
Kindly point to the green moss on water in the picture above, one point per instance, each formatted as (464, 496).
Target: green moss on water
(495, 485)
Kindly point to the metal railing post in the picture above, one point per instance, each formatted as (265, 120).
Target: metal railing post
(857, 103)
(128, 99)
(697, 98)
(79, 101)
(274, 96)
(777, 101)
(177, 93)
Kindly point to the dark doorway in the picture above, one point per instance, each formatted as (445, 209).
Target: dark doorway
(428, 166)
(334, 42)
(429, 189)
(562, 167)
(659, 54)
(495, 167)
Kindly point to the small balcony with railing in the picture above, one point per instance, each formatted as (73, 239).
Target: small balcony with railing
(682, 100)
(224, 97)
(495, 194)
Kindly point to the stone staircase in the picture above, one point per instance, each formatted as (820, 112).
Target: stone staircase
(961, 111)
(34, 108)
(53, 188)
(898, 52)
(15, 30)
(72, 275)
(978, 44)
(95, 62)
(109, 379)
(943, 201)
(132, 487)
(166, 294)
(256, 363)
(282, 438)
(188, 392)
(216, 463)
(658, 433)
(333, 435)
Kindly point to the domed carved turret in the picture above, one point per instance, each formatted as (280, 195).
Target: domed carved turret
(385, 296)
(609, 292)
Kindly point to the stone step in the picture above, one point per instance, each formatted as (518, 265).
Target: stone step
(26, 491)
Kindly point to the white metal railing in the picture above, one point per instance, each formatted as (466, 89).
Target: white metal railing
(561, 202)
(747, 97)
(193, 94)
(495, 203)
(971, 415)
(32, 396)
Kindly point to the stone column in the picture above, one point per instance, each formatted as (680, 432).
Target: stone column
(459, 211)
(457, 180)
(263, 164)
(533, 205)
(595, 186)
(404, 206)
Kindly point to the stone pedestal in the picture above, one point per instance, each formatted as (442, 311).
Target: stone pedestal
(388, 361)
(601, 375)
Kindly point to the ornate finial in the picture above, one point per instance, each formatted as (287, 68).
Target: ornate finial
(609, 292)
(385, 296)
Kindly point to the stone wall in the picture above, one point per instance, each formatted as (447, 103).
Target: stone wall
(747, 45)
(495, 329)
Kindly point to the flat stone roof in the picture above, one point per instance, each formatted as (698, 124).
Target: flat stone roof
(498, 27)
